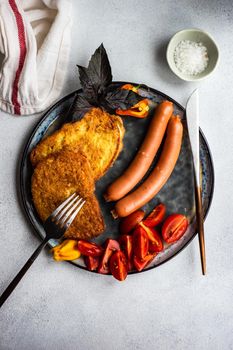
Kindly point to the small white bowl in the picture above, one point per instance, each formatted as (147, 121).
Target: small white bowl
(196, 35)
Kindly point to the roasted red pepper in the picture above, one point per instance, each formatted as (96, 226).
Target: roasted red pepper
(140, 110)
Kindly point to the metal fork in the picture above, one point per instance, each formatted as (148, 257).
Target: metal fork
(55, 227)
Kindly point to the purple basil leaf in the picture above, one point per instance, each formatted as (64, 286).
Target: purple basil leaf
(97, 91)
(90, 90)
(81, 106)
(121, 98)
(97, 76)
(99, 69)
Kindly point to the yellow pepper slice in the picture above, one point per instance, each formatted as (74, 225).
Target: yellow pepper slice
(67, 250)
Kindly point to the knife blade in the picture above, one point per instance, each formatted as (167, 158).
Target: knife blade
(192, 117)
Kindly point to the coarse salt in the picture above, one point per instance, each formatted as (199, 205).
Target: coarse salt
(191, 57)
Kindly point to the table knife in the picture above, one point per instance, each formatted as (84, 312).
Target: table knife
(192, 116)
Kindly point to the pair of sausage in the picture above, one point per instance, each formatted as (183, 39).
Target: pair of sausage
(159, 175)
(141, 163)
(143, 160)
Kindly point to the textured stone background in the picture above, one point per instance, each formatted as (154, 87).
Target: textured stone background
(60, 307)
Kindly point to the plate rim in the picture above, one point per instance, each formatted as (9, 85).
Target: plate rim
(45, 115)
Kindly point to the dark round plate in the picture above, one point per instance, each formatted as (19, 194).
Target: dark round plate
(177, 194)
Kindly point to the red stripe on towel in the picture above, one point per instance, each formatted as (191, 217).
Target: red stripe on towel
(22, 55)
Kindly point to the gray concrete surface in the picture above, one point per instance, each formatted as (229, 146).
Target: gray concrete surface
(58, 306)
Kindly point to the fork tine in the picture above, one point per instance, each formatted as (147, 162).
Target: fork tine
(61, 206)
(68, 211)
(64, 210)
(74, 214)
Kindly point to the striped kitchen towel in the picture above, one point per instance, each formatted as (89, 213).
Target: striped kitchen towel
(35, 43)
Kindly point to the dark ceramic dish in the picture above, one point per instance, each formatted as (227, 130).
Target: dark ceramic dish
(177, 194)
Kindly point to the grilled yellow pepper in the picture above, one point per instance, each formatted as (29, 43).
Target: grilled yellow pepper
(67, 250)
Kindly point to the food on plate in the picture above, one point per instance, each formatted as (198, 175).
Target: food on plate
(140, 242)
(111, 245)
(91, 262)
(144, 158)
(126, 243)
(57, 177)
(131, 251)
(139, 110)
(128, 223)
(174, 227)
(118, 265)
(89, 248)
(67, 250)
(74, 157)
(140, 264)
(155, 242)
(130, 87)
(156, 246)
(98, 135)
(159, 175)
(156, 216)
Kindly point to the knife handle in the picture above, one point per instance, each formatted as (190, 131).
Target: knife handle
(200, 227)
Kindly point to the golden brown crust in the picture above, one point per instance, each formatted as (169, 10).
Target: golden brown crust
(58, 176)
(98, 135)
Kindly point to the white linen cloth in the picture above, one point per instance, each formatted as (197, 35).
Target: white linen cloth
(35, 42)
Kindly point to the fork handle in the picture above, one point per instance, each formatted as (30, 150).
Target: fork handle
(7, 292)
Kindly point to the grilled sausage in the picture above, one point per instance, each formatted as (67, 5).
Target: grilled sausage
(141, 163)
(158, 176)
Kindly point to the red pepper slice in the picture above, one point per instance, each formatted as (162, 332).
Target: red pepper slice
(89, 248)
(111, 245)
(118, 265)
(174, 227)
(140, 242)
(140, 264)
(156, 216)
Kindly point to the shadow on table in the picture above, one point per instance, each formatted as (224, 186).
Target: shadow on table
(18, 193)
(164, 70)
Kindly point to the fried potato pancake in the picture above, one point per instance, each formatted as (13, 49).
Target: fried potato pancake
(58, 176)
(98, 135)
